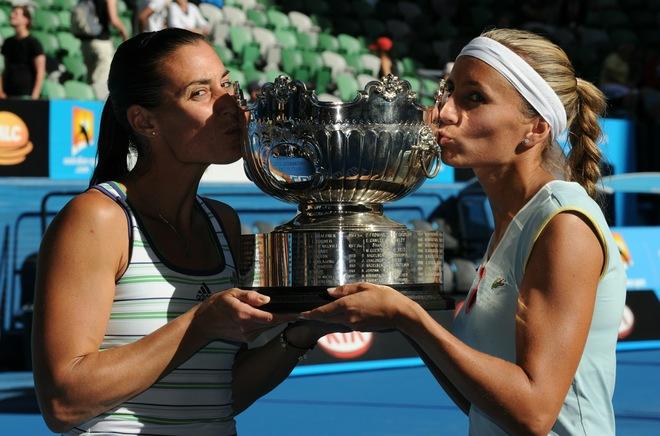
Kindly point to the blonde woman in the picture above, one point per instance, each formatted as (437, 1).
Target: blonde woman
(533, 348)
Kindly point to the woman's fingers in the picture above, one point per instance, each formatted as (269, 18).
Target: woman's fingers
(253, 298)
(330, 312)
(348, 289)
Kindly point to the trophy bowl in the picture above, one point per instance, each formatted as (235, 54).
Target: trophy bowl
(340, 162)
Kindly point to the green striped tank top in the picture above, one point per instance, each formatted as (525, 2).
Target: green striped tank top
(195, 398)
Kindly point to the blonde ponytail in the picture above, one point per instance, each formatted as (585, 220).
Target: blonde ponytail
(584, 133)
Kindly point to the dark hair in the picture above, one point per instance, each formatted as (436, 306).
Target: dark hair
(135, 79)
(26, 13)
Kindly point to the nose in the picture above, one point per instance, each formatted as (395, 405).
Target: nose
(445, 112)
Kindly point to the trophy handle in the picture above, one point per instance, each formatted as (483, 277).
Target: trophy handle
(429, 152)
(293, 165)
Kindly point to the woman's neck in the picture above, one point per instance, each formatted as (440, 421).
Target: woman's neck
(508, 190)
(158, 193)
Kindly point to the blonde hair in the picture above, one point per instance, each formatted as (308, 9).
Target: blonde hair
(584, 104)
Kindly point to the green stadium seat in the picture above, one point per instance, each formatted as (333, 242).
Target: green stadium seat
(277, 19)
(225, 54)
(252, 74)
(349, 44)
(121, 7)
(6, 32)
(427, 101)
(429, 87)
(312, 60)
(303, 74)
(238, 76)
(76, 66)
(307, 41)
(409, 67)
(52, 90)
(286, 38)
(76, 90)
(65, 20)
(46, 20)
(271, 75)
(48, 42)
(64, 5)
(251, 53)
(258, 18)
(43, 4)
(353, 60)
(327, 42)
(291, 59)
(415, 83)
(68, 42)
(347, 86)
(323, 79)
(239, 36)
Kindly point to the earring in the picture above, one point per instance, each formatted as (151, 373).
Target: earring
(525, 141)
(153, 133)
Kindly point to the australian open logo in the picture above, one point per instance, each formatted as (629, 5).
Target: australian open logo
(203, 293)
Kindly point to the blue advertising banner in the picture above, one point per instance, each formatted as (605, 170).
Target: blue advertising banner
(74, 127)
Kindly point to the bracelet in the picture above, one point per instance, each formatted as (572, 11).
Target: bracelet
(285, 344)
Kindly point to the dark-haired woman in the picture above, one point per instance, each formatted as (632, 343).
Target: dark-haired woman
(138, 328)
(533, 347)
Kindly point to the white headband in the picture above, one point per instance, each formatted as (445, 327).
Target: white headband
(523, 77)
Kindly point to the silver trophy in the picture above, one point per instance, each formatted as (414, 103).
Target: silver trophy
(340, 162)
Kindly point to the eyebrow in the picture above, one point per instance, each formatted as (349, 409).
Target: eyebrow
(202, 82)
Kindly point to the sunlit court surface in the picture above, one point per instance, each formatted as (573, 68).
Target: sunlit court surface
(398, 401)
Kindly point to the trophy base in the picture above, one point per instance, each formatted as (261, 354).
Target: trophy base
(299, 299)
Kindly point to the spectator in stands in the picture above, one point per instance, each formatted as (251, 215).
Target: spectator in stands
(97, 50)
(138, 327)
(552, 282)
(25, 62)
(152, 15)
(383, 49)
(617, 79)
(186, 15)
(254, 89)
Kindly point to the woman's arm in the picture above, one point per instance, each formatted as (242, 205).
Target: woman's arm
(83, 253)
(260, 370)
(115, 21)
(555, 308)
(257, 371)
(40, 68)
(453, 393)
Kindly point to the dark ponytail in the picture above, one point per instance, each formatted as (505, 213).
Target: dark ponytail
(135, 79)
(112, 150)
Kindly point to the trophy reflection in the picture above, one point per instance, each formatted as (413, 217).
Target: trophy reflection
(340, 162)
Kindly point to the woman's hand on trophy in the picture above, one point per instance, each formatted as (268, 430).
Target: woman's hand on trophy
(363, 306)
(234, 315)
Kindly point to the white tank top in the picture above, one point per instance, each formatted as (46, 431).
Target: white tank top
(196, 397)
(486, 321)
